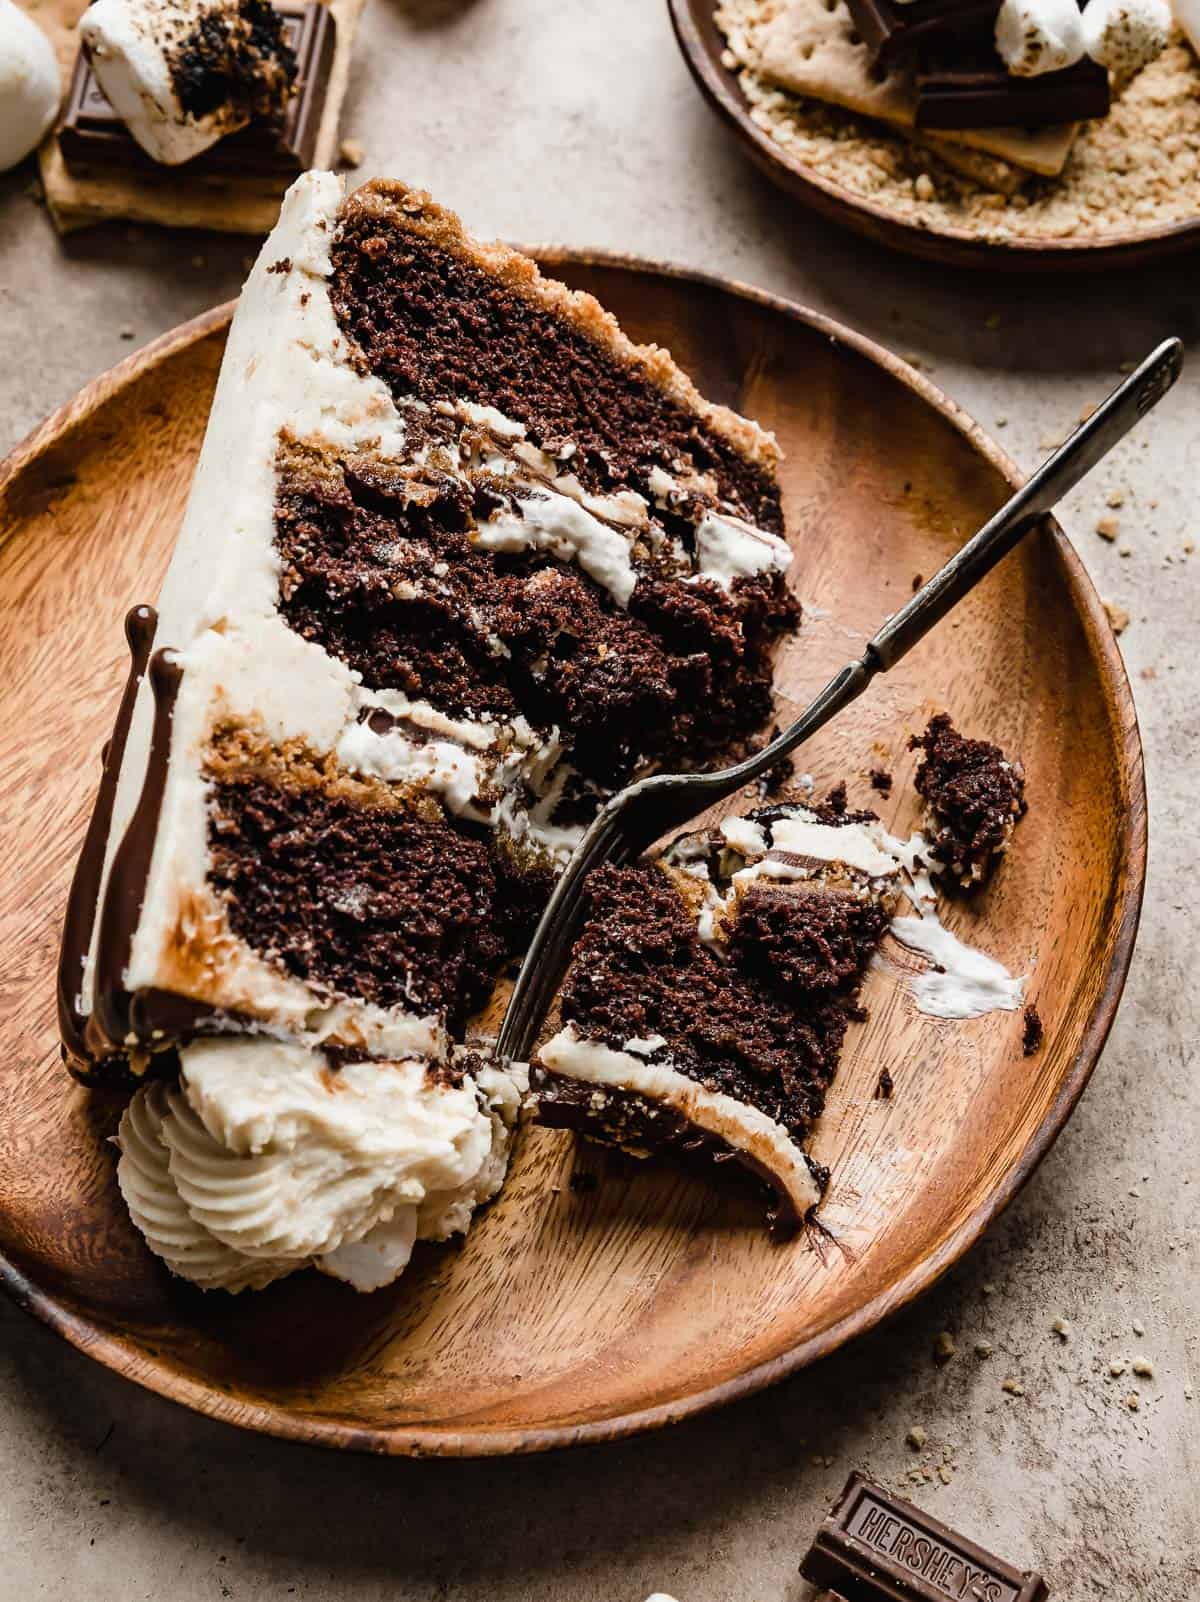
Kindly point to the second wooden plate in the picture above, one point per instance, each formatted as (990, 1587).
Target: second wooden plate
(702, 46)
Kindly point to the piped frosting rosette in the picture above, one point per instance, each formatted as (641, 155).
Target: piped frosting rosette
(266, 1158)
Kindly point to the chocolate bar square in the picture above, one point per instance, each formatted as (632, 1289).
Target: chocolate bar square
(892, 29)
(876, 1547)
(975, 91)
(93, 136)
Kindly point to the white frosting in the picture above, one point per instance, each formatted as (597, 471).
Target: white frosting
(265, 1160)
(380, 1257)
(1126, 35)
(130, 44)
(30, 85)
(728, 548)
(742, 1127)
(187, 1248)
(858, 845)
(1036, 36)
(744, 835)
(969, 982)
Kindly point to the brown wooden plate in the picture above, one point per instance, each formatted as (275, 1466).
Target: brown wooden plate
(577, 1313)
(702, 46)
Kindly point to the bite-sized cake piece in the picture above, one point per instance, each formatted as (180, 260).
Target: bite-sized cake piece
(710, 991)
(458, 561)
(182, 74)
(974, 798)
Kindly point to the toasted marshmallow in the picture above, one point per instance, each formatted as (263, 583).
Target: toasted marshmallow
(30, 85)
(1126, 35)
(182, 74)
(1036, 36)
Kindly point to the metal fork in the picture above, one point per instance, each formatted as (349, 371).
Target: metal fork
(636, 817)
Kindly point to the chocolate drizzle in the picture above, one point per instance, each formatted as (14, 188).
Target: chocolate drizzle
(112, 1028)
(82, 903)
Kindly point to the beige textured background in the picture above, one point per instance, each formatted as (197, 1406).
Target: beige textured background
(575, 121)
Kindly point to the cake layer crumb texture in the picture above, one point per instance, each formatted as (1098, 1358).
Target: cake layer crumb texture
(974, 799)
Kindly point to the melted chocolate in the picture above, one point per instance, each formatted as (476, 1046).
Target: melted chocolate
(113, 1027)
(82, 903)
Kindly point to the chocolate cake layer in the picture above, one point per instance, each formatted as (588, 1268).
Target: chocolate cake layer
(375, 901)
(380, 568)
(431, 322)
(640, 969)
(974, 798)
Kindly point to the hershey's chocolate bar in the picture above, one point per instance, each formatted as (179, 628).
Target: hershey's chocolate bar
(92, 135)
(977, 92)
(892, 29)
(875, 1547)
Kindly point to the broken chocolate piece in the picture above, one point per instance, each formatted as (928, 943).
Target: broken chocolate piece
(892, 28)
(92, 135)
(875, 1547)
(973, 90)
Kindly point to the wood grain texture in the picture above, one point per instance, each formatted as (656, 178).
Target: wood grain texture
(702, 45)
(588, 1313)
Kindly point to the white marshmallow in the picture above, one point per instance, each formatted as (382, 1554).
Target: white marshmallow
(132, 45)
(1126, 35)
(1036, 36)
(30, 85)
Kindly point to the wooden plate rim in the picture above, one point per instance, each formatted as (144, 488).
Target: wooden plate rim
(955, 246)
(110, 1350)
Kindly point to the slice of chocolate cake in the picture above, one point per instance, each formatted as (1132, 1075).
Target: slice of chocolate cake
(974, 799)
(458, 561)
(708, 996)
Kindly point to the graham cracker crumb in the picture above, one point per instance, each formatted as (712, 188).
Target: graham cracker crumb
(1013, 1387)
(1062, 1327)
(944, 1347)
(1143, 1367)
(352, 152)
(916, 1438)
(1117, 1368)
(983, 1348)
(1116, 497)
(1134, 169)
(1108, 528)
(1118, 617)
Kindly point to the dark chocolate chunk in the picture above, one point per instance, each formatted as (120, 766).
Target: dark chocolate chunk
(875, 1547)
(92, 135)
(976, 91)
(892, 29)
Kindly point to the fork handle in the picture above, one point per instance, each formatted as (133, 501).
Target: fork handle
(1057, 475)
